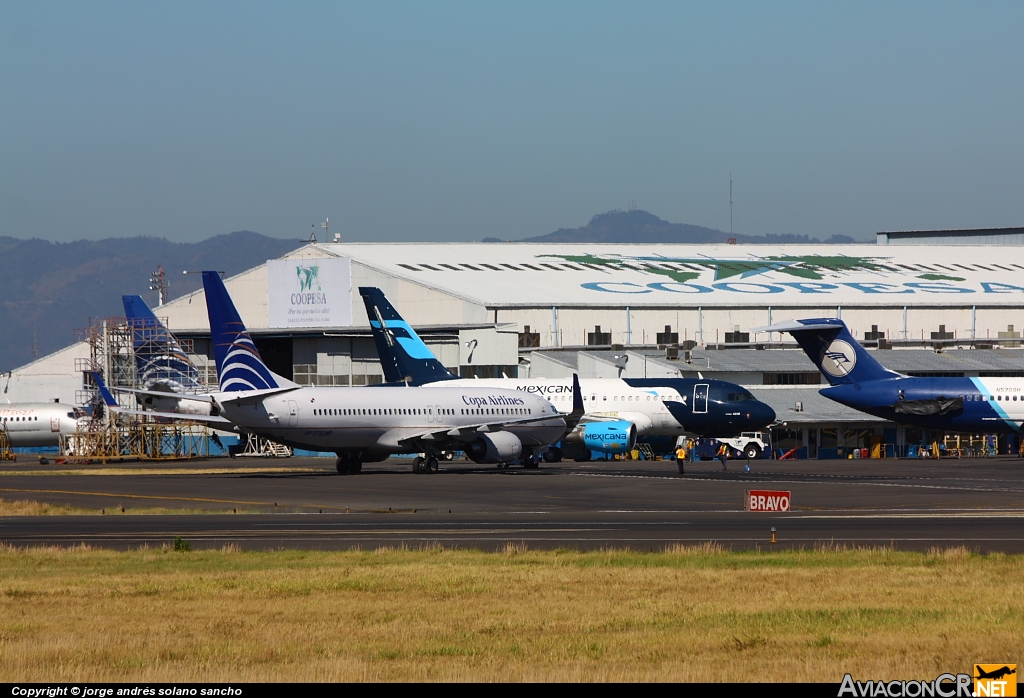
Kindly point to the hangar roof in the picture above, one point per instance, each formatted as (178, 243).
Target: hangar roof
(817, 409)
(542, 275)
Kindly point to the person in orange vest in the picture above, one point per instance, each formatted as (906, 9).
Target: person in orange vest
(723, 454)
(681, 457)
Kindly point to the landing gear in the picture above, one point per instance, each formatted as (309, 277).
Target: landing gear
(530, 461)
(422, 466)
(349, 465)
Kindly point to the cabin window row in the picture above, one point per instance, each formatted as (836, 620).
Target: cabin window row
(347, 412)
(21, 419)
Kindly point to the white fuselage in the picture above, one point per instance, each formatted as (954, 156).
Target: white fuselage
(37, 423)
(383, 419)
(608, 398)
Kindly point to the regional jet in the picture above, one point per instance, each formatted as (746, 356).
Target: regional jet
(856, 379)
(617, 411)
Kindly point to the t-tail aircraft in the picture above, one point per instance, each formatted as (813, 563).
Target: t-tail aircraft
(617, 411)
(368, 424)
(856, 379)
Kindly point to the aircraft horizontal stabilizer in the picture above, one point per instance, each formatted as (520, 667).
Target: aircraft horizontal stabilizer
(797, 326)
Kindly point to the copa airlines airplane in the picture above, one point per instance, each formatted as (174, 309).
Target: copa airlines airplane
(36, 424)
(617, 411)
(856, 379)
(366, 424)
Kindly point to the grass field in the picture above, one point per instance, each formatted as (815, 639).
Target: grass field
(698, 614)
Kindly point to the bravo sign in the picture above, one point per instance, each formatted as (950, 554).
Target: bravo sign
(767, 500)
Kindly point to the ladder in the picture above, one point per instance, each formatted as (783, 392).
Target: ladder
(6, 452)
(646, 451)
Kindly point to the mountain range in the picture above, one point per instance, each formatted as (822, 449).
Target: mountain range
(48, 289)
(637, 226)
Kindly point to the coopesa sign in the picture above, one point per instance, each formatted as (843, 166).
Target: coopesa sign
(309, 292)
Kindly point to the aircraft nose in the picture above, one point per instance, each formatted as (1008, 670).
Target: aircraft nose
(760, 414)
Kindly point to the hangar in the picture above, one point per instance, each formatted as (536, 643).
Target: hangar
(493, 309)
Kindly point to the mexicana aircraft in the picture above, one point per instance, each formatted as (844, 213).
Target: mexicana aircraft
(366, 424)
(617, 411)
(856, 379)
(34, 424)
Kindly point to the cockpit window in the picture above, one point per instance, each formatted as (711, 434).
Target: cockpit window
(739, 397)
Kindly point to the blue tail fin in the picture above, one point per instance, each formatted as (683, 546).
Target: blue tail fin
(403, 355)
(108, 398)
(839, 357)
(158, 356)
(239, 366)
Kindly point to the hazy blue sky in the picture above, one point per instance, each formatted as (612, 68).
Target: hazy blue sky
(456, 121)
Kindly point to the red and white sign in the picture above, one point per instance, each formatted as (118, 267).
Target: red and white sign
(767, 500)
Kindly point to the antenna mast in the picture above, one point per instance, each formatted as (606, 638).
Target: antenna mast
(158, 283)
(730, 204)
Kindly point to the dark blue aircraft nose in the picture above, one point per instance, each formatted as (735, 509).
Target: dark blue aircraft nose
(759, 414)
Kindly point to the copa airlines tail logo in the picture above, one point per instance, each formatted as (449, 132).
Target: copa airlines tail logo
(838, 359)
(242, 368)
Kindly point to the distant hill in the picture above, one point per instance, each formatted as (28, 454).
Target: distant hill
(56, 287)
(644, 227)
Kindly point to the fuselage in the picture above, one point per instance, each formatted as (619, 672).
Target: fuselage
(31, 424)
(990, 405)
(657, 406)
(382, 420)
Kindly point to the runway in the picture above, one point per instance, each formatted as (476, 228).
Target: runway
(303, 503)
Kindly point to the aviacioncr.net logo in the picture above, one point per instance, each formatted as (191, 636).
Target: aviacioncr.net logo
(838, 359)
(309, 278)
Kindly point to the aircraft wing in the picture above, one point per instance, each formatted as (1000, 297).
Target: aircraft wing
(165, 394)
(177, 416)
(469, 432)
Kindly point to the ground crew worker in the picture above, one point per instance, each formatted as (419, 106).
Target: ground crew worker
(681, 457)
(723, 454)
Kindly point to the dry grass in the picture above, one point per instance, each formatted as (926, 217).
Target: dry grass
(689, 613)
(28, 507)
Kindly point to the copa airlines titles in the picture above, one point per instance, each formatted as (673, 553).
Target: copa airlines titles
(492, 400)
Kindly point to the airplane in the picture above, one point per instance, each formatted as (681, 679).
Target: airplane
(366, 424)
(163, 368)
(995, 673)
(857, 380)
(35, 424)
(617, 411)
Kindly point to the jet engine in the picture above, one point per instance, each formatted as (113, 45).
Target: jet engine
(499, 447)
(605, 437)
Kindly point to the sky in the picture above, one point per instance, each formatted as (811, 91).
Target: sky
(447, 121)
